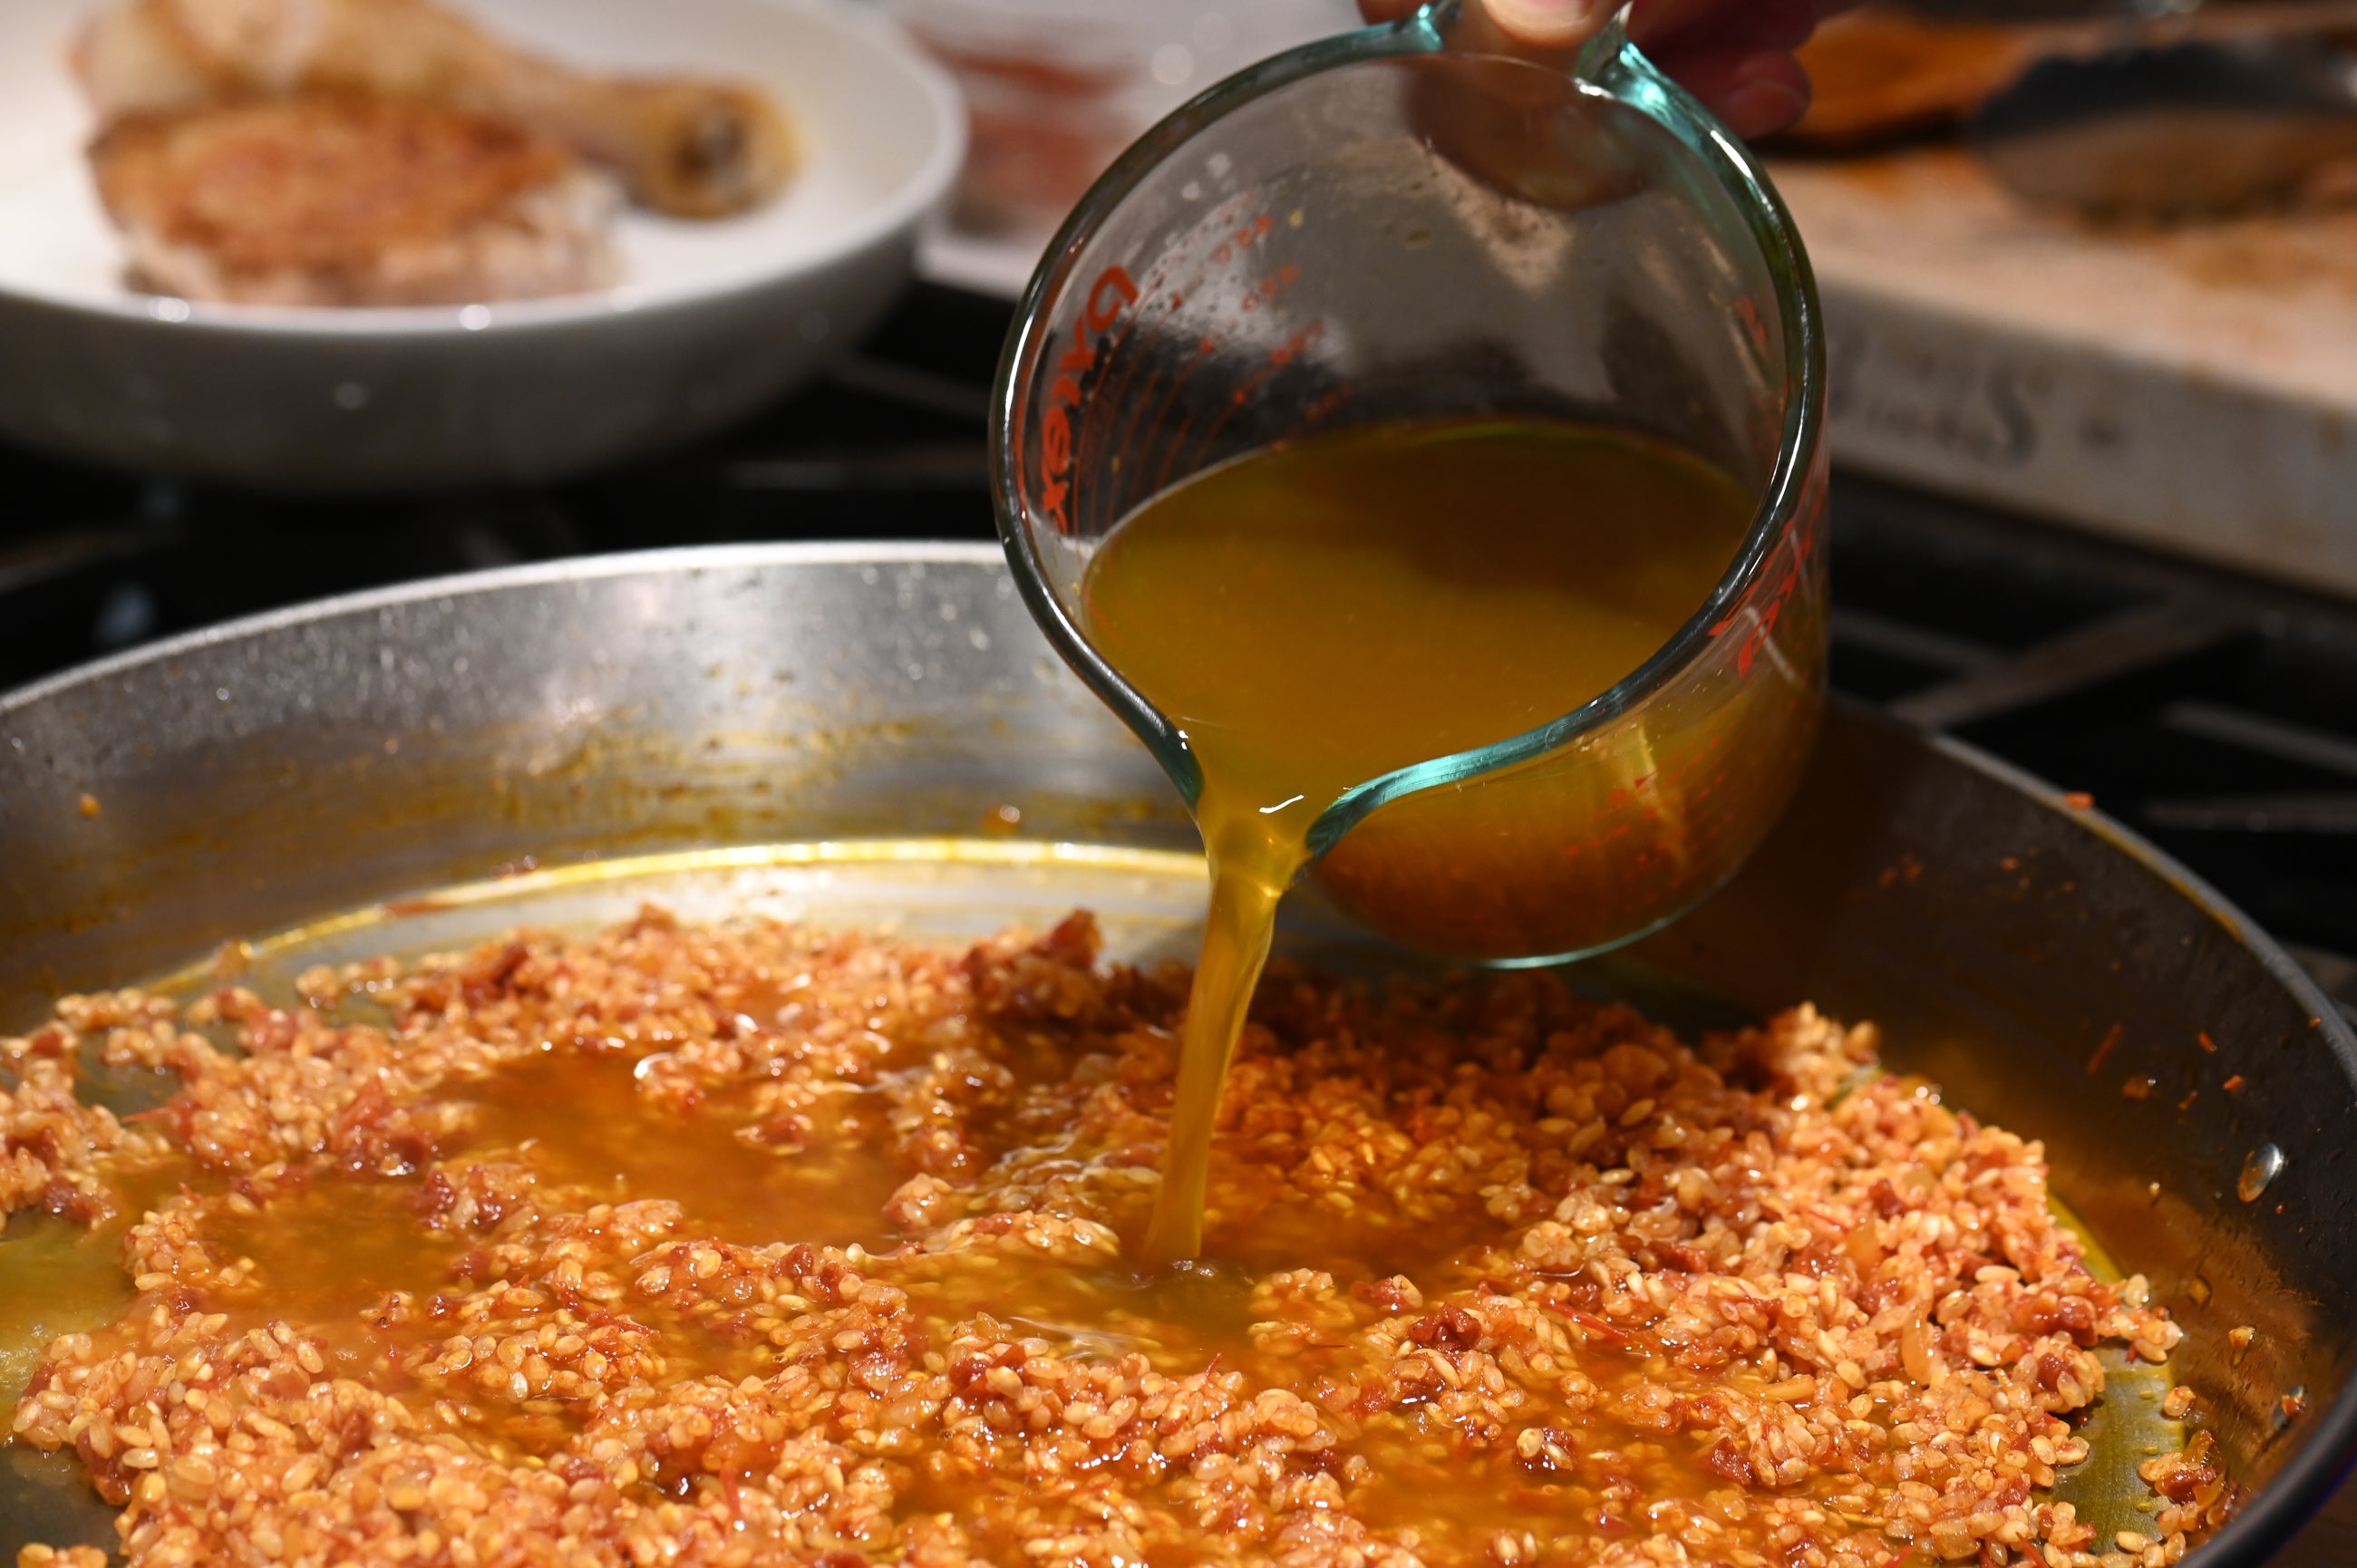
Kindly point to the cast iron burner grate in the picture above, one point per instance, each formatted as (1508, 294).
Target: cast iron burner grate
(2214, 712)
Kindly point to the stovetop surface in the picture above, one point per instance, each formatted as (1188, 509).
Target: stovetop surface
(2213, 712)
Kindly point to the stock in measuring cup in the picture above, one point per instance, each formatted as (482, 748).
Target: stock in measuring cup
(1381, 229)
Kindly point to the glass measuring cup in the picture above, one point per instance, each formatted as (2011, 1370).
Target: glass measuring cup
(1378, 228)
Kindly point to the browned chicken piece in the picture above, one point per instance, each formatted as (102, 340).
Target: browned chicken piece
(1883, 74)
(1880, 75)
(330, 199)
(690, 148)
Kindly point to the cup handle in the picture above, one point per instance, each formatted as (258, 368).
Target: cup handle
(1593, 61)
(1607, 61)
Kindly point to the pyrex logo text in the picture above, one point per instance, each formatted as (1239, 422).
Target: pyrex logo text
(1108, 296)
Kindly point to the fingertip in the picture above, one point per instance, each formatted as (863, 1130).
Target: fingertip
(1548, 23)
(1769, 92)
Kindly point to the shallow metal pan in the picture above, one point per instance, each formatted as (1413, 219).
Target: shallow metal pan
(2054, 972)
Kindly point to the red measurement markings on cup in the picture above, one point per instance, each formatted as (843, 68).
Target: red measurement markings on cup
(1275, 360)
(1764, 605)
(1108, 296)
(1126, 412)
(1755, 327)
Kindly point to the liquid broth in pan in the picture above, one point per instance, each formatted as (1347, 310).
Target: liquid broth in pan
(719, 1232)
(1319, 614)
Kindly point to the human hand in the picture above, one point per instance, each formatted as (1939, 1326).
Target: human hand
(1733, 55)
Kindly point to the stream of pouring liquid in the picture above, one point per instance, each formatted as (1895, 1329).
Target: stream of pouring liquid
(1317, 614)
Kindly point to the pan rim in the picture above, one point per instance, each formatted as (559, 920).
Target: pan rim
(688, 558)
(2272, 1513)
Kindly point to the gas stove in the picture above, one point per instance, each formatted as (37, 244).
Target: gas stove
(2213, 711)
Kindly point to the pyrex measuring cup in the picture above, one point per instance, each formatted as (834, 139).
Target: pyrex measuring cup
(1378, 228)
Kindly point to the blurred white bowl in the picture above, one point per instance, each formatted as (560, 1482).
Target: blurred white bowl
(712, 319)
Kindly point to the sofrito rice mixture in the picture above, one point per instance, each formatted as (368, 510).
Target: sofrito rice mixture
(761, 1243)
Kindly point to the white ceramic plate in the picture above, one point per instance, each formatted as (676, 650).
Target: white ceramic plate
(712, 317)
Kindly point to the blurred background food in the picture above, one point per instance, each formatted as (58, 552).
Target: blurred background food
(689, 146)
(1881, 74)
(392, 152)
(1050, 89)
(1055, 89)
(328, 199)
(583, 229)
(2187, 113)
(2097, 264)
